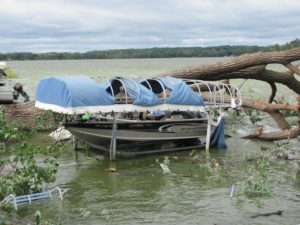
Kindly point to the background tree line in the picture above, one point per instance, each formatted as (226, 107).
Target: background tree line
(218, 51)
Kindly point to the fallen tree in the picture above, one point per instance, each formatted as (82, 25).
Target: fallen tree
(248, 66)
(27, 115)
(254, 66)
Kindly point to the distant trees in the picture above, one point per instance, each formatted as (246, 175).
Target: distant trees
(218, 51)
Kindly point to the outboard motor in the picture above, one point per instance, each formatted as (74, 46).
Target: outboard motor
(2, 74)
(18, 87)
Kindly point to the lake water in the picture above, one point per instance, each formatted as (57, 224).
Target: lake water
(30, 72)
(139, 193)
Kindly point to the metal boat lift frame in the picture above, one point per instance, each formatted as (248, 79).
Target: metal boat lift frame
(234, 93)
(216, 91)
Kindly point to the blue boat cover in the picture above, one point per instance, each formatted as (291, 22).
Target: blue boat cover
(81, 94)
(142, 96)
(217, 138)
(72, 92)
(181, 93)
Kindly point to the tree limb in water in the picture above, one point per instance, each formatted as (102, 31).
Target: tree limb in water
(285, 131)
(279, 213)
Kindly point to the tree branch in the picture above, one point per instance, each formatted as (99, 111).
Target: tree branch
(238, 63)
(276, 135)
(273, 93)
(248, 66)
(279, 119)
(293, 68)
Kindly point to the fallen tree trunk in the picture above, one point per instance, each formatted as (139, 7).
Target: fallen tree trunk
(254, 66)
(286, 131)
(244, 62)
(275, 135)
(27, 115)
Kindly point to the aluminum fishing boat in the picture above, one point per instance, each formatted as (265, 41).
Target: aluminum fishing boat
(137, 116)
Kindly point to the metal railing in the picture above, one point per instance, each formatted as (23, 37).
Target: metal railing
(220, 95)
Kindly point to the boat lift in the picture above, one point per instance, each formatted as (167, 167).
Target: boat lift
(216, 99)
(142, 95)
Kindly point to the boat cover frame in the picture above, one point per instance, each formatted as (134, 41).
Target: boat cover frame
(78, 89)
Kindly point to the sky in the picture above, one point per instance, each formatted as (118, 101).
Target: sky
(86, 25)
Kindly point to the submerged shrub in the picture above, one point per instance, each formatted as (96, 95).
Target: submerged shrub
(254, 115)
(283, 150)
(40, 219)
(257, 183)
(35, 165)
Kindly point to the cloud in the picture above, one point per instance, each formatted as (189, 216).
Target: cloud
(83, 25)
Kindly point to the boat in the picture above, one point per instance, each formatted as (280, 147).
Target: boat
(9, 89)
(7, 95)
(134, 116)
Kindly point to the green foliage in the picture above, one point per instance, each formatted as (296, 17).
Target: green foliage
(31, 165)
(38, 217)
(42, 121)
(210, 165)
(7, 207)
(12, 131)
(254, 115)
(257, 183)
(35, 165)
(9, 73)
(40, 220)
(283, 150)
(217, 51)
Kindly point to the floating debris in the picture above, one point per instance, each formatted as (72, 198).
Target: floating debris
(165, 168)
(232, 191)
(111, 169)
(60, 134)
(279, 213)
(246, 142)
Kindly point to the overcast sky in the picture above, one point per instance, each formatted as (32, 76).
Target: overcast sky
(84, 25)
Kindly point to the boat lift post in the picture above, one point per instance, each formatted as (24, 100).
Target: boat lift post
(113, 143)
(207, 143)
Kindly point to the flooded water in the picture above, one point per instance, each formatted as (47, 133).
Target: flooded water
(139, 192)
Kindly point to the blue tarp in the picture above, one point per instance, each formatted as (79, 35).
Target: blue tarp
(142, 96)
(80, 91)
(72, 92)
(217, 138)
(181, 93)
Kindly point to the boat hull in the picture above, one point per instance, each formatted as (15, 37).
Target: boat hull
(141, 137)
